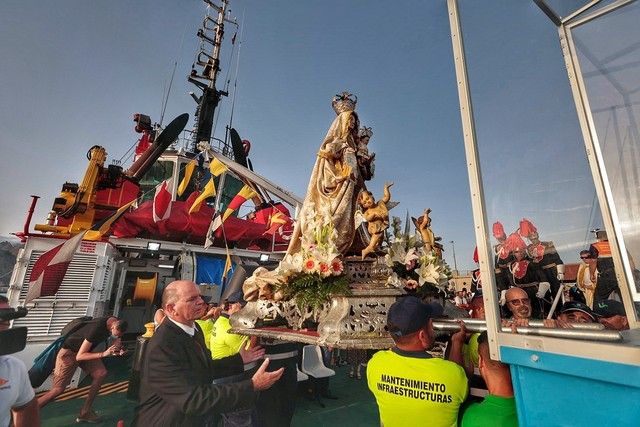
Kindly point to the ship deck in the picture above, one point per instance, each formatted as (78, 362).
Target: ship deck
(355, 405)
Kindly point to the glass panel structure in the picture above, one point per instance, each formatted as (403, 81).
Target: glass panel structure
(608, 55)
(537, 183)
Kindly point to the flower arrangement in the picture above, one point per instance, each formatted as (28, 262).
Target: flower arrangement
(413, 268)
(315, 273)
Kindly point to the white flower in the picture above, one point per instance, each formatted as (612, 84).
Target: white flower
(291, 263)
(394, 280)
(428, 273)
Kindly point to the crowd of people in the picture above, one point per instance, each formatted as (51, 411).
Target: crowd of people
(196, 372)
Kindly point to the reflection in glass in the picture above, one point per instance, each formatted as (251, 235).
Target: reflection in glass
(608, 50)
(539, 192)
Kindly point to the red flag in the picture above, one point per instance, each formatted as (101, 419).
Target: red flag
(162, 201)
(49, 270)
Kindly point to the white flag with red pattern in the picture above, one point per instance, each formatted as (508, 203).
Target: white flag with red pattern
(162, 201)
(49, 270)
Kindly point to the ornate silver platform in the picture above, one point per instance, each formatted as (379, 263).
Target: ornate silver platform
(354, 321)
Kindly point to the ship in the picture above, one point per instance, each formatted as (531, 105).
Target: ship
(174, 195)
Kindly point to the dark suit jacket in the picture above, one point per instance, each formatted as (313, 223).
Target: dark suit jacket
(177, 377)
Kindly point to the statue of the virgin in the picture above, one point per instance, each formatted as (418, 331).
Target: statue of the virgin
(335, 180)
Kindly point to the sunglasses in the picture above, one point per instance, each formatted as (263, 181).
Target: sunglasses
(519, 301)
(584, 257)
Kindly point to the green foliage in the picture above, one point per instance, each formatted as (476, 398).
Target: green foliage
(311, 290)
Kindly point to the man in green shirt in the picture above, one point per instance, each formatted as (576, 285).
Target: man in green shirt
(409, 385)
(498, 409)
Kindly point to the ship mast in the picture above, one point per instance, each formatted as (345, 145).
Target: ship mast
(205, 79)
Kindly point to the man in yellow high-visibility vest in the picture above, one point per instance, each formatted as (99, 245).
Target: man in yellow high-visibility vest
(222, 342)
(409, 385)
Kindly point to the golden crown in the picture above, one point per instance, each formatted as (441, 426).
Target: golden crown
(344, 102)
(365, 132)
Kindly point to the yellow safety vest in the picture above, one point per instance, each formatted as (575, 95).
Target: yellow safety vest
(224, 343)
(413, 388)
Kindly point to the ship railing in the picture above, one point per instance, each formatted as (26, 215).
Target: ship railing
(187, 136)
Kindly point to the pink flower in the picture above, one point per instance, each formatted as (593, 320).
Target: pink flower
(410, 265)
(336, 266)
(411, 284)
(324, 269)
(309, 265)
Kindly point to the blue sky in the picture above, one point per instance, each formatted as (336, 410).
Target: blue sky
(73, 72)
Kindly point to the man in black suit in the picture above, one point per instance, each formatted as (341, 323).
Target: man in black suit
(178, 371)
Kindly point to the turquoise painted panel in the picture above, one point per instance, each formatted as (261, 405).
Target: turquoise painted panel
(558, 390)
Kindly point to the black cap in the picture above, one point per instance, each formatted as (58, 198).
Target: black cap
(578, 306)
(609, 308)
(409, 314)
(236, 297)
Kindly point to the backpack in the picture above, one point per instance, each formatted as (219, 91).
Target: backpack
(44, 364)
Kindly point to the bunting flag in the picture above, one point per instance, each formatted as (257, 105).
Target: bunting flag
(276, 220)
(49, 270)
(101, 228)
(162, 201)
(216, 167)
(209, 190)
(243, 195)
(210, 237)
(227, 268)
(188, 171)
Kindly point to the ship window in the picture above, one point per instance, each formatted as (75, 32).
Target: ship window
(160, 171)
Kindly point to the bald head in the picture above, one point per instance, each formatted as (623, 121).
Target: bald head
(181, 301)
(515, 293)
(518, 302)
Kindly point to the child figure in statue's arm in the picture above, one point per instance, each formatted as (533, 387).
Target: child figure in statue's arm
(377, 216)
(365, 159)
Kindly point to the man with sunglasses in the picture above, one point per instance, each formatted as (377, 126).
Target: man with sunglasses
(519, 303)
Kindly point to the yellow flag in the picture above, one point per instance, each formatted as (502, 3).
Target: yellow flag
(101, 228)
(208, 191)
(216, 167)
(188, 171)
(227, 267)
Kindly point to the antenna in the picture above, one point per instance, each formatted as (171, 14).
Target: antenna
(235, 80)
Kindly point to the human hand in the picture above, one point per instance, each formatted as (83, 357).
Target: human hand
(460, 336)
(212, 313)
(262, 379)
(251, 354)
(114, 350)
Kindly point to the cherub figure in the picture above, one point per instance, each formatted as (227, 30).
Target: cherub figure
(424, 227)
(377, 216)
